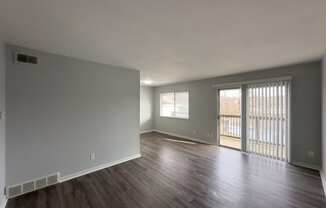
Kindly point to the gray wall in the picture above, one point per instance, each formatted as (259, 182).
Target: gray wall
(2, 121)
(146, 108)
(323, 169)
(306, 109)
(62, 109)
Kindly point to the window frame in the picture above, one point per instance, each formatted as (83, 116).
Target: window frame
(174, 105)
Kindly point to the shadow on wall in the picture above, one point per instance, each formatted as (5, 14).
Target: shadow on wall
(146, 108)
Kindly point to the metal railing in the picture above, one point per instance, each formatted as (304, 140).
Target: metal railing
(230, 125)
(266, 129)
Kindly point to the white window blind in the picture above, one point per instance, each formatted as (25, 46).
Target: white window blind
(167, 104)
(268, 119)
(181, 105)
(174, 104)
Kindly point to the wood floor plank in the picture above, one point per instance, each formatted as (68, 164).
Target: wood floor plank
(177, 175)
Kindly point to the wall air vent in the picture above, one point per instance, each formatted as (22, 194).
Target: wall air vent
(32, 185)
(14, 191)
(40, 183)
(28, 187)
(52, 179)
(25, 59)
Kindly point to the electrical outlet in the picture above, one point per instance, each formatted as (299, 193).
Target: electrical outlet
(194, 131)
(210, 134)
(92, 156)
(311, 154)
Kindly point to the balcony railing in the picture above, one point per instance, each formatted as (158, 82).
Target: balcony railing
(260, 127)
(230, 126)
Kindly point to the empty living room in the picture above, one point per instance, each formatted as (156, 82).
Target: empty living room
(162, 104)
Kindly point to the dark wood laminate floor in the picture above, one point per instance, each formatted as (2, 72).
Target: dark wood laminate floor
(177, 175)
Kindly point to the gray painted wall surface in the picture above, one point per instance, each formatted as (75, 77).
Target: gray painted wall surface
(146, 108)
(2, 121)
(305, 117)
(323, 169)
(62, 109)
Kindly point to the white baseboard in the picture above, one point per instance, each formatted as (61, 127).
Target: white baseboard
(146, 131)
(3, 201)
(323, 181)
(181, 136)
(97, 168)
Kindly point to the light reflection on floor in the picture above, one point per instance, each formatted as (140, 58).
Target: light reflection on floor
(180, 141)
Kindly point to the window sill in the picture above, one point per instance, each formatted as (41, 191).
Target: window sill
(174, 117)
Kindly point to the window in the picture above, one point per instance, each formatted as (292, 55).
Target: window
(174, 104)
(182, 105)
(167, 104)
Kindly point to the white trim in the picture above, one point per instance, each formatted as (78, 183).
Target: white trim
(231, 84)
(184, 137)
(146, 131)
(289, 140)
(175, 117)
(3, 202)
(323, 181)
(97, 168)
(305, 165)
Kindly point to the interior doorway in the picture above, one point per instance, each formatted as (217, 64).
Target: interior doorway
(229, 118)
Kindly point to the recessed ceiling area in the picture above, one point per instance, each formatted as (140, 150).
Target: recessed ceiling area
(171, 40)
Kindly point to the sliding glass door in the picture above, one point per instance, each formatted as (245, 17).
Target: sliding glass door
(264, 127)
(229, 119)
(268, 119)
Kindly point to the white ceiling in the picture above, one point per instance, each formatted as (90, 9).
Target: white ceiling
(171, 40)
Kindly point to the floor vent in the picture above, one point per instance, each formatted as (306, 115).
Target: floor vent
(32, 185)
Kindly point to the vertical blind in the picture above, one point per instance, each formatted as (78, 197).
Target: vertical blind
(268, 119)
